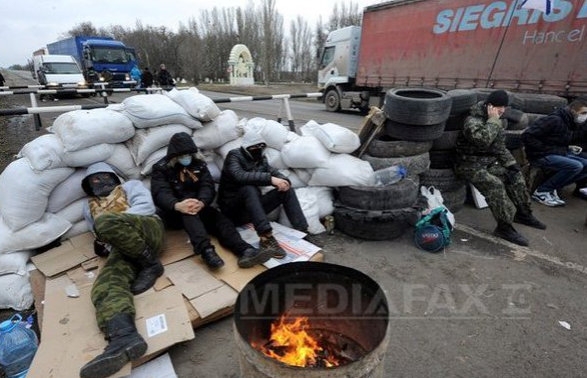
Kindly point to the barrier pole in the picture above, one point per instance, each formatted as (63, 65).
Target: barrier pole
(36, 117)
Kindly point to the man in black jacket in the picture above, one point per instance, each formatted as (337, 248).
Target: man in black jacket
(239, 195)
(183, 190)
(547, 144)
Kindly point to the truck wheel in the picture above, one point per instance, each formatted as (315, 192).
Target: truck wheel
(395, 196)
(332, 101)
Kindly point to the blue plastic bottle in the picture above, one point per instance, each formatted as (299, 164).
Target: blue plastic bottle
(18, 345)
(389, 175)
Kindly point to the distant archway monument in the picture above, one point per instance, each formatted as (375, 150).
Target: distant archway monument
(240, 66)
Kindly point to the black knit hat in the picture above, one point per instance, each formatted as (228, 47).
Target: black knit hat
(498, 98)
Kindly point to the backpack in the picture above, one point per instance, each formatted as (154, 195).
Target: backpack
(432, 231)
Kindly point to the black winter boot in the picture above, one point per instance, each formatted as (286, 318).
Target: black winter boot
(251, 257)
(526, 217)
(211, 258)
(124, 345)
(508, 232)
(267, 242)
(151, 269)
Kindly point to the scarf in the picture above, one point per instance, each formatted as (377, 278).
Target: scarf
(115, 202)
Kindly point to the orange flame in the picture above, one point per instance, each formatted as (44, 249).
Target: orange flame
(291, 344)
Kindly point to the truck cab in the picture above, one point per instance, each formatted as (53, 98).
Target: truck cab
(338, 69)
(58, 72)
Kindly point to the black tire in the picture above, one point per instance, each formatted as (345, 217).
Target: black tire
(542, 103)
(454, 200)
(522, 124)
(442, 179)
(462, 101)
(513, 139)
(332, 100)
(532, 117)
(447, 140)
(513, 115)
(417, 106)
(373, 224)
(455, 122)
(396, 196)
(415, 164)
(387, 146)
(413, 133)
(442, 159)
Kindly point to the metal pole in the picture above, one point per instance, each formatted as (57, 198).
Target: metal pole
(36, 117)
(290, 120)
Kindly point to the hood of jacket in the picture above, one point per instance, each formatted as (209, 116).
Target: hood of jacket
(181, 144)
(97, 168)
(251, 138)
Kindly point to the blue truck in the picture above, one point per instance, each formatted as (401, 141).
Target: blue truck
(102, 59)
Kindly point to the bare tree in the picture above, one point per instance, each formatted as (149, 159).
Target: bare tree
(344, 15)
(272, 47)
(301, 46)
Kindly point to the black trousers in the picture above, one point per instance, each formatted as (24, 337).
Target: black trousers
(209, 221)
(252, 206)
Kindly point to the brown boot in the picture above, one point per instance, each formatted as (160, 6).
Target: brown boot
(268, 242)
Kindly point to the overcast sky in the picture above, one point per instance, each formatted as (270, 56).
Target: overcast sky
(28, 25)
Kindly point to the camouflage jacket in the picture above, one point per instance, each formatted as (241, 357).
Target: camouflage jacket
(482, 141)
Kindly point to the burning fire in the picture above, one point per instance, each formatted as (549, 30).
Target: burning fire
(291, 343)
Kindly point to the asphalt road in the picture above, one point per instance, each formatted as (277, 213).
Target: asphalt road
(480, 308)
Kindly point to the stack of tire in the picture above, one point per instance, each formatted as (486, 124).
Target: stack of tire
(415, 118)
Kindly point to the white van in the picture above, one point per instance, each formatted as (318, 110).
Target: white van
(58, 71)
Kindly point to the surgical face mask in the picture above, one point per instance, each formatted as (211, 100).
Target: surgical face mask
(581, 118)
(256, 152)
(102, 184)
(185, 160)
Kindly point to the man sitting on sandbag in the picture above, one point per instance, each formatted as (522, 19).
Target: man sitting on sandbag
(129, 233)
(239, 196)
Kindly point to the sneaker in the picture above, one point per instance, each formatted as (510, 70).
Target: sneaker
(555, 196)
(313, 239)
(268, 242)
(252, 256)
(580, 193)
(545, 198)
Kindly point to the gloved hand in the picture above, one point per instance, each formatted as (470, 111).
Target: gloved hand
(575, 150)
(100, 248)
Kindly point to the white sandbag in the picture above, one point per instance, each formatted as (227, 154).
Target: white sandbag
(40, 233)
(24, 192)
(324, 198)
(291, 136)
(305, 152)
(74, 212)
(78, 228)
(274, 158)
(218, 132)
(123, 163)
(68, 191)
(226, 148)
(304, 174)
(88, 156)
(84, 128)
(147, 141)
(342, 170)
(147, 166)
(14, 262)
(16, 292)
(309, 204)
(273, 133)
(210, 159)
(196, 104)
(293, 178)
(334, 137)
(156, 110)
(44, 152)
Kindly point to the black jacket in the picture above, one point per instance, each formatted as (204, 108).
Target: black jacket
(239, 170)
(552, 135)
(166, 186)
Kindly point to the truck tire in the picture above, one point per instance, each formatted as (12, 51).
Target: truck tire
(373, 224)
(417, 106)
(444, 180)
(462, 100)
(542, 103)
(332, 100)
(415, 133)
(442, 159)
(396, 196)
(447, 140)
(455, 122)
(532, 117)
(414, 164)
(454, 200)
(387, 146)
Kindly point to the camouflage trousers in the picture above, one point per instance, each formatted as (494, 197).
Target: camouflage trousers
(504, 193)
(128, 235)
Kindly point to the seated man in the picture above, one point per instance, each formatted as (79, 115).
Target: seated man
(239, 196)
(129, 233)
(546, 143)
(183, 190)
(483, 160)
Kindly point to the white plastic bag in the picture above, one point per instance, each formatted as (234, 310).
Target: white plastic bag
(434, 199)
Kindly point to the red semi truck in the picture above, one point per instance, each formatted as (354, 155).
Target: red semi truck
(450, 44)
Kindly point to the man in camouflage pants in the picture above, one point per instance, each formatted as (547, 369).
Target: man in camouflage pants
(130, 235)
(484, 161)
